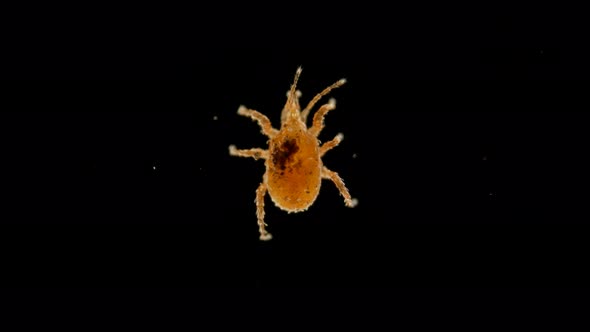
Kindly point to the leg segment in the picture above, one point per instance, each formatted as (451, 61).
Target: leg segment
(318, 117)
(315, 99)
(260, 192)
(328, 174)
(255, 153)
(329, 145)
(263, 121)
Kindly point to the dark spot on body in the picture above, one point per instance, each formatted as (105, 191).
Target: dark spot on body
(284, 154)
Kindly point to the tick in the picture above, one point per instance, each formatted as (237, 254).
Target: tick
(293, 161)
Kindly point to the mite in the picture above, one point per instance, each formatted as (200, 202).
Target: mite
(293, 161)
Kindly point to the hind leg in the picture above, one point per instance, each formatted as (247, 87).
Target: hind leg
(260, 192)
(334, 177)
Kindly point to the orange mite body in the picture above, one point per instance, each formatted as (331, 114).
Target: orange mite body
(293, 175)
(294, 168)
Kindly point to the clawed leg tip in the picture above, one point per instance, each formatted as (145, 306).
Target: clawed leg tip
(352, 203)
(265, 237)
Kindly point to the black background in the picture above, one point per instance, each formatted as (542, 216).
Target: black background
(465, 139)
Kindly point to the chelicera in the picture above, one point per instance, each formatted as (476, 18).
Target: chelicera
(294, 168)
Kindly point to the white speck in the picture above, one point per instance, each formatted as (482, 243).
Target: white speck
(154, 168)
(215, 118)
(354, 155)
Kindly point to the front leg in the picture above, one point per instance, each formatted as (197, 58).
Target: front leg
(262, 120)
(255, 153)
(318, 117)
(317, 98)
(329, 145)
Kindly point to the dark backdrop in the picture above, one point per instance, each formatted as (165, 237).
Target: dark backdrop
(465, 135)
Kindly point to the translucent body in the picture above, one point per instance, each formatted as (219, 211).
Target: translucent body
(293, 171)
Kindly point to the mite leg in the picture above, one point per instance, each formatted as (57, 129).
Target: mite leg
(262, 120)
(329, 145)
(328, 174)
(260, 192)
(318, 117)
(315, 99)
(255, 153)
